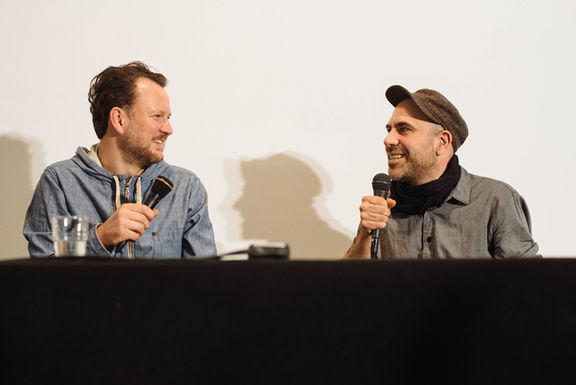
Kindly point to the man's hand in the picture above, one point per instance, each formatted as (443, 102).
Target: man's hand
(127, 223)
(374, 214)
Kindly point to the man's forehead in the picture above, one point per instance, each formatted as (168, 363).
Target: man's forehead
(145, 85)
(149, 91)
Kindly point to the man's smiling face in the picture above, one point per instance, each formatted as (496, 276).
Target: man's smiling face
(411, 145)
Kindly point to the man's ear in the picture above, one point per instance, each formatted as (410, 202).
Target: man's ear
(444, 142)
(118, 120)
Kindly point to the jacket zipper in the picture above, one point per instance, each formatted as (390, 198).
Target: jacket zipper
(127, 191)
(129, 244)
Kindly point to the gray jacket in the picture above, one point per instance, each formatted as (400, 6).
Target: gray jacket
(481, 218)
(79, 186)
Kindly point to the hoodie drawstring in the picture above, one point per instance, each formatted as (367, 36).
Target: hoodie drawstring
(138, 190)
(118, 202)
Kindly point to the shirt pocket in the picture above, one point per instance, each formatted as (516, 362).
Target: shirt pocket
(167, 241)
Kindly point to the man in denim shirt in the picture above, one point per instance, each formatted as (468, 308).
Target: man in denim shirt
(437, 209)
(130, 112)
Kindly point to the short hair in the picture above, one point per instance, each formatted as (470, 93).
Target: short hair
(116, 87)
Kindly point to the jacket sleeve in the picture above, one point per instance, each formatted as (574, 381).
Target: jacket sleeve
(49, 200)
(512, 235)
(198, 234)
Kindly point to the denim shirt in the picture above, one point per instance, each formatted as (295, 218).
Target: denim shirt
(78, 186)
(481, 218)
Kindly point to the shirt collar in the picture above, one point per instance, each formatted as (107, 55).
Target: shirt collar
(461, 193)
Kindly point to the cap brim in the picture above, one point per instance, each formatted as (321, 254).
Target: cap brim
(396, 94)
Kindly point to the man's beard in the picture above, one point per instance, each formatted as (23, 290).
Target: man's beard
(415, 169)
(137, 153)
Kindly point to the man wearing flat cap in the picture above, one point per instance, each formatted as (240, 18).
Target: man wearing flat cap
(437, 209)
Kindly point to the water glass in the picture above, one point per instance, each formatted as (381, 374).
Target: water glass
(70, 234)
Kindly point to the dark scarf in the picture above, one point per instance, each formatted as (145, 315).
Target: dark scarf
(417, 199)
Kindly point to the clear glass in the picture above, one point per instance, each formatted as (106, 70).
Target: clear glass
(70, 234)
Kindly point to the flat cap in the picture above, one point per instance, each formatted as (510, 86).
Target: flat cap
(436, 107)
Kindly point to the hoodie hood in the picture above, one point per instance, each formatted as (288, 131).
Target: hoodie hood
(84, 158)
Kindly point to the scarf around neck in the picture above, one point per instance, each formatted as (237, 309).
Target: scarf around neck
(413, 200)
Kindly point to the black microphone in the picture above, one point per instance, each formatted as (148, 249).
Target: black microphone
(381, 186)
(161, 187)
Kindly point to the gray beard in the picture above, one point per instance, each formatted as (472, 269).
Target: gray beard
(414, 171)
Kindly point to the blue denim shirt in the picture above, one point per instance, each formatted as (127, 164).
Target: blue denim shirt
(78, 186)
(481, 218)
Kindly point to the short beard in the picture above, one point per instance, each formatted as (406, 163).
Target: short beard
(416, 169)
(135, 154)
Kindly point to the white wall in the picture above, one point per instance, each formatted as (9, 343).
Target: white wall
(279, 105)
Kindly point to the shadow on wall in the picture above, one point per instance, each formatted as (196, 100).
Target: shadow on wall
(282, 201)
(16, 191)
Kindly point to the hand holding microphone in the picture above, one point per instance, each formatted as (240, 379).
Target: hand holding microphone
(374, 214)
(131, 220)
(161, 187)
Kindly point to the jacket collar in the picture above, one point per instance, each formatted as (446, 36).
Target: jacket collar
(461, 193)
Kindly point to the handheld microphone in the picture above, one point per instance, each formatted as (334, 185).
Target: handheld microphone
(381, 186)
(161, 187)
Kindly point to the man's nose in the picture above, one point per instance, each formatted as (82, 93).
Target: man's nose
(391, 139)
(167, 128)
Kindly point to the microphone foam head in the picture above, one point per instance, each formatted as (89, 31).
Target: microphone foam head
(381, 182)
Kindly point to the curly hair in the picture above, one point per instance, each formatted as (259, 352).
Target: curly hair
(116, 87)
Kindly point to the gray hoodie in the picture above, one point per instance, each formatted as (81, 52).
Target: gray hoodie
(80, 186)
